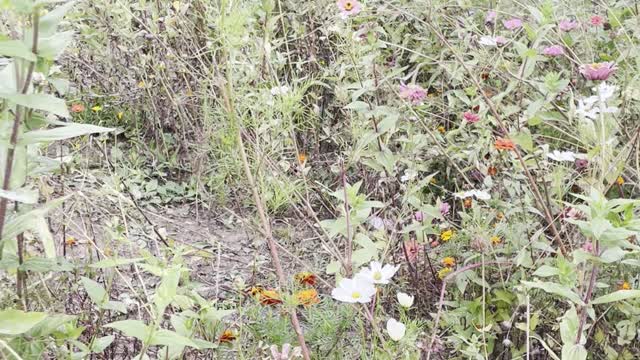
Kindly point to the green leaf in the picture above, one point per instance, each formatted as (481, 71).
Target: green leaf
(23, 195)
(16, 48)
(50, 21)
(44, 102)
(574, 352)
(41, 228)
(134, 328)
(50, 48)
(113, 262)
(61, 133)
(16, 322)
(617, 296)
(556, 289)
(101, 343)
(95, 291)
(29, 220)
(333, 267)
(546, 270)
(171, 338)
(569, 326)
(167, 289)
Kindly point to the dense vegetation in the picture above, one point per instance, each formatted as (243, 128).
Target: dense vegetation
(279, 179)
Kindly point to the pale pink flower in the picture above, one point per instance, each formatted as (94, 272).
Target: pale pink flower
(349, 7)
(512, 24)
(596, 20)
(471, 117)
(413, 93)
(587, 246)
(491, 17)
(444, 208)
(501, 40)
(419, 216)
(567, 25)
(553, 50)
(598, 71)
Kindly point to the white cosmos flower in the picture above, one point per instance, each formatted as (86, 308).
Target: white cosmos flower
(562, 155)
(405, 300)
(395, 329)
(378, 274)
(356, 290)
(478, 194)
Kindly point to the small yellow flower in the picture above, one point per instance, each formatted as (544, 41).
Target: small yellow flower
(620, 180)
(441, 129)
(444, 272)
(96, 108)
(449, 261)
(500, 215)
(120, 114)
(141, 84)
(447, 235)
(625, 286)
(495, 240)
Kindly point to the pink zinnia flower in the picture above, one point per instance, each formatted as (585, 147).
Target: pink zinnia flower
(598, 71)
(471, 117)
(567, 25)
(413, 93)
(349, 7)
(553, 50)
(596, 20)
(512, 24)
(491, 17)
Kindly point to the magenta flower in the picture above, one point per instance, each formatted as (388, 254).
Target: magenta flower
(471, 117)
(567, 25)
(413, 93)
(491, 17)
(349, 7)
(596, 20)
(553, 50)
(512, 24)
(598, 71)
(419, 216)
(444, 208)
(587, 246)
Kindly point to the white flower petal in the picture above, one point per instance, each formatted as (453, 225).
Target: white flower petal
(404, 300)
(395, 329)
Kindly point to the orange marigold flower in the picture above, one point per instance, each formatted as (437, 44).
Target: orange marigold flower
(302, 158)
(620, 180)
(468, 202)
(307, 297)
(449, 261)
(306, 278)
(495, 240)
(441, 129)
(492, 171)
(255, 290)
(269, 297)
(625, 286)
(505, 144)
(227, 336)
(77, 108)
(71, 241)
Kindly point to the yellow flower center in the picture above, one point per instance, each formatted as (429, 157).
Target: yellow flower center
(596, 66)
(355, 295)
(377, 276)
(348, 6)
